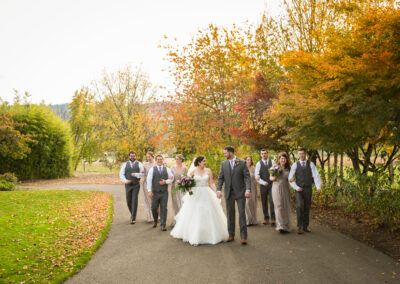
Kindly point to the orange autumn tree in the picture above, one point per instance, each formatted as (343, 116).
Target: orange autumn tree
(347, 96)
(301, 25)
(212, 72)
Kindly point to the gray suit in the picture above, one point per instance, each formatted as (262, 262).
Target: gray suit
(237, 181)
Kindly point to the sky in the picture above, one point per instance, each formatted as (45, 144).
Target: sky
(51, 48)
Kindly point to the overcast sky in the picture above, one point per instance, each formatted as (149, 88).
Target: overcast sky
(50, 48)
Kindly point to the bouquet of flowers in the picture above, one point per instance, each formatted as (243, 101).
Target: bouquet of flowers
(275, 171)
(185, 184)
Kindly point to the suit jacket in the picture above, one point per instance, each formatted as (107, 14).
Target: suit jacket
(236, 181)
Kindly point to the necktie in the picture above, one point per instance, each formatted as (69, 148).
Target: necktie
(303, 164)
(159, 169)
(231, 164)
(265, 162)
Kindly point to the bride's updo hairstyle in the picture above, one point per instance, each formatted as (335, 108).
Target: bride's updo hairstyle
(198, 160)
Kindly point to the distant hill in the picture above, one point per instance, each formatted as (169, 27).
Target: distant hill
(61, 110)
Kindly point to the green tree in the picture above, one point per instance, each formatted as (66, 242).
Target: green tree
(84, 126)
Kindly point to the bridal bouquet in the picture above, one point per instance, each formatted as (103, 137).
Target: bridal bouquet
(185, 184)
(275, 171)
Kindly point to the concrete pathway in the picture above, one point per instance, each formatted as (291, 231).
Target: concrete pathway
(140, 254)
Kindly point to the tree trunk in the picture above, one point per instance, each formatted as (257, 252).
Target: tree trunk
(312, 155)
(391, 171)
(353, 155)
(329, 168)
(335, 167)
(341, 166)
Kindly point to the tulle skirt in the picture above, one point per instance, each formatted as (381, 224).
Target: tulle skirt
(201, 219)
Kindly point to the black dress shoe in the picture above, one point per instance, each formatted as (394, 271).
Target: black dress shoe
(283, 231)
(154, 224)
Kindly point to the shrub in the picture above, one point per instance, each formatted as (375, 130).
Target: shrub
(8, 182)
(50, 156)
(386, 207)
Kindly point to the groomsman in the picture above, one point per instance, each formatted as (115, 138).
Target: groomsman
(262, 176)
(130, 175)
(158, 179)
(301, 177)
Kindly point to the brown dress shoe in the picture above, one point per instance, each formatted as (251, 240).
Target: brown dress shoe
(231, 239)
(305, 229)
(244, 241)
(300, 231)
(154, 224)
(273, 223)
(163, 228)
(133, 222)
(266, 222)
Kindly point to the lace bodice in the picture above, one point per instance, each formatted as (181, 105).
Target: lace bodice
(201, 180)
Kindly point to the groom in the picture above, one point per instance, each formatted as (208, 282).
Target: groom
(236, 177)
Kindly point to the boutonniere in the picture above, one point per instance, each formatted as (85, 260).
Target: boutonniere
(237, 162)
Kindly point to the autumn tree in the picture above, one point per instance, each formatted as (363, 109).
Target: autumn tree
(13, 143)
(122, 113)
(84, 126)
(212, 72)
(346, 97)
(302, 26)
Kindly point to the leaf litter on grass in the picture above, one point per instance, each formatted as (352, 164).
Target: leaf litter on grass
(47, 235)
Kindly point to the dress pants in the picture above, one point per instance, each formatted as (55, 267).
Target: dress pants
(132, 194)
(160, 199)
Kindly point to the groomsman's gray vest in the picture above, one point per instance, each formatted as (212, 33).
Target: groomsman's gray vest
(304, 175)
(130, 170)
(264, 172)
(156, 186)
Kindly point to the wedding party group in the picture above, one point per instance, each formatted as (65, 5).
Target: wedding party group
(196, 199)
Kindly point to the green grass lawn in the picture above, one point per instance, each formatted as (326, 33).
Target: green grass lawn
(96, 168)
(46, 236)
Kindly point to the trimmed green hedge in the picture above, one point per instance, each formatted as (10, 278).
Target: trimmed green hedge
(50, 156)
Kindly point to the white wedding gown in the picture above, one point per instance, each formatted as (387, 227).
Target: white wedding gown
(201, 219)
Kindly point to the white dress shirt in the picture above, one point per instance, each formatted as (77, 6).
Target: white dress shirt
(149, 179)
(258, 167)
(137, 175)
(314, 171)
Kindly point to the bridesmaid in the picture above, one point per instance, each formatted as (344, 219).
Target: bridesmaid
(147, 201)
(178, 171)
(251, 203)
(281, 195)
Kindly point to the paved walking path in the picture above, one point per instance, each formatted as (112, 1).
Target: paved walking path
(140, 254)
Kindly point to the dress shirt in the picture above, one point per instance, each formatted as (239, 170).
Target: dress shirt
(149, 179)
(314, 171)
(258, 167)
(137, 175)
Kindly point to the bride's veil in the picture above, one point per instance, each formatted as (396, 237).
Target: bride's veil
(192, 167)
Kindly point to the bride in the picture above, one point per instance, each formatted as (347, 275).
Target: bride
(201, 219)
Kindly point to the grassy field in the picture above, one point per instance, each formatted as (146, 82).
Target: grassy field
(97, 167)
(46, 236)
